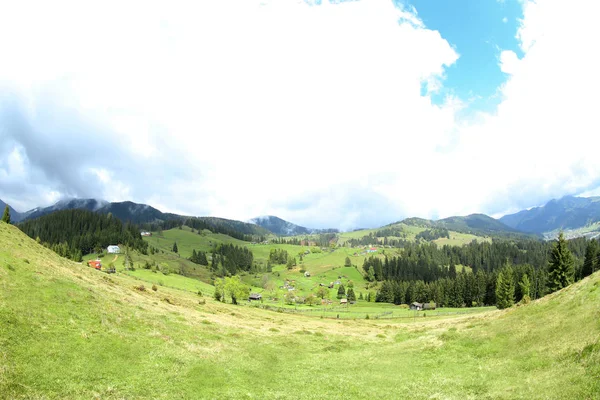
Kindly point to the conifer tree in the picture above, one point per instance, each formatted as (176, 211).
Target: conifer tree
(561, 271)
(351, 296)
(6, 215)
(591, 258)
(341, 292)
(525, 286)
(347, 262)
(175, 247)
(505, 288)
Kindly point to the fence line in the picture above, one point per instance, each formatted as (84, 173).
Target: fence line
(361, 314)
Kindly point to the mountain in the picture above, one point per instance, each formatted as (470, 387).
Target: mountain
(128, 211)
(282, 227)
(567, 213)
(479, 224)
(66, 204)
(15, 216)
(136, 213)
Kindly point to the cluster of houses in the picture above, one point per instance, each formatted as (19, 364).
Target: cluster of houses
(288, 285)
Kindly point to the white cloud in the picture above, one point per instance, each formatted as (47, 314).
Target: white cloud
(301, 111)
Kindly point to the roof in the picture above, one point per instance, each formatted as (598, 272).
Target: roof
(417, 304)
(343, 300)
(255, 296)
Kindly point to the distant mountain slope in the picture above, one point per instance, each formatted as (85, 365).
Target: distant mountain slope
(15, 216)
(479, 224)
(282, 227)
(67, 204)
(137, 213)
(279, 226)
(568, 212)
(128, 211)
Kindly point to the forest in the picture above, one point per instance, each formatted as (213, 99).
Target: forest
(74, 233)
(498, 270)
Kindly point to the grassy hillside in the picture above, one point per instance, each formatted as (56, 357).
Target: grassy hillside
(410, 232)
(68, 331)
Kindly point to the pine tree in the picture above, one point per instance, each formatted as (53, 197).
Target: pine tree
(591, 258)
(525, 286)
(6, 215)
(351, 296)
(175, 247)
(505, 288)
(347, 262)
(561, 272)
(341, 292)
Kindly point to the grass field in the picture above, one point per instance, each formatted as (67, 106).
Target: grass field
(68, 331)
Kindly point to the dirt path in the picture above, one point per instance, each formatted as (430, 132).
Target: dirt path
(115, 259)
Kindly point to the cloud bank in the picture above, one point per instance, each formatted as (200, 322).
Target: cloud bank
(320, 114)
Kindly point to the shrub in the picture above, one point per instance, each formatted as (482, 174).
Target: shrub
(140, 288)
(202, 302)
(26, 261)
(154, 288)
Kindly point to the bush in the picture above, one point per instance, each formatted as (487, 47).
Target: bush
(200, 293)
(140, 288)
(154, 288)
(202, 302)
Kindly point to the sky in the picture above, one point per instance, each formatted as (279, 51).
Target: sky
(341, 114)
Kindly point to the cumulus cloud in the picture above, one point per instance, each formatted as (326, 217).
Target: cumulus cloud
(310, 112)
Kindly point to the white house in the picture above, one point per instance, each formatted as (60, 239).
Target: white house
(113, 249)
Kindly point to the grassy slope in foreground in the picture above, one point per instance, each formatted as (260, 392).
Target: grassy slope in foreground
(67, 331)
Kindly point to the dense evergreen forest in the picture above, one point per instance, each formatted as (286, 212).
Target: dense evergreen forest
(426, 272)
(74, 233)
(231, 259)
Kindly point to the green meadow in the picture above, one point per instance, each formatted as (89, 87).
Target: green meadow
(69, 331)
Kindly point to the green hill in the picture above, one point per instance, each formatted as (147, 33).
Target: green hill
(68, 331)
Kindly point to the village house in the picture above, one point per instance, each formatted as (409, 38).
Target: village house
(344, 301)
(113, 249)
(416, 306)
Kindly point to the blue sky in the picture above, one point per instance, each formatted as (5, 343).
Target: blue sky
(479, 30)
(315, 112)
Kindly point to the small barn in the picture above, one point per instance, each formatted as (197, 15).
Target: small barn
(113, 249)
(344, 301)
(255, 296)
(416, 306)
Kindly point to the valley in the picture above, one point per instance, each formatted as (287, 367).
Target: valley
(99, 335)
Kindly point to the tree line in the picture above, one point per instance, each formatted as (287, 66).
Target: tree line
(415, 276)
(74, 233)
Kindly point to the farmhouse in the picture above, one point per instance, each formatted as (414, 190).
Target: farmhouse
(145, 233)
(113, 249)
(416, 306)
(255, 296)
(343, 301)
